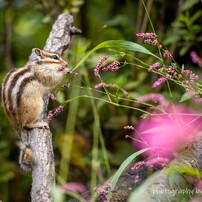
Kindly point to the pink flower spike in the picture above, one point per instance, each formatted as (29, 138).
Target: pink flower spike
(149, 35)
(65, 85)
(55, 112)
(154, 66)
(103, 191)
(152, 42)
(100, 85)
(158, 82)
(112, 67)
(138, 165)
(99, 65)
(137, 179)
(167, 54)
(162, 161)
(187, 72)
(140, 35)
(52, 96)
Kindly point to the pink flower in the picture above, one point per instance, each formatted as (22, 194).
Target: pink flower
(52, 96)
(187, 72)
(157, 161)
(169, 132)
(100, 85)
(112, 67)
(154, 66)
(156, 98)
(138, 165)
(137, 179)
(99, 65)
(159, 81)
(103, 191)
(171, 71)
(167, 54)
(195, 58)
(55, 112)
(150, 35)
(152, 42)
(73, 187)
(198, 100)
(65, 85)
(192, 76)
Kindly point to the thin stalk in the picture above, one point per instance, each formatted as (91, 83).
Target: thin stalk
(97, 135)
(70, 126)
(113, 103)
(150, 21)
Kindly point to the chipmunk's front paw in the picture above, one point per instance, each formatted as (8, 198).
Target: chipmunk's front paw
(42, 124)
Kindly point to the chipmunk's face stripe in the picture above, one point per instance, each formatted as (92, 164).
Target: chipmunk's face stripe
(54, 58)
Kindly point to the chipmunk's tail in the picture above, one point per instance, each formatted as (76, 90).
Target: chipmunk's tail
(26, 159)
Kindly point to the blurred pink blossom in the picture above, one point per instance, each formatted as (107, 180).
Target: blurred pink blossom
(161, 161)
(167, 132)
(195, 58)
(155, 97)
(73, 187)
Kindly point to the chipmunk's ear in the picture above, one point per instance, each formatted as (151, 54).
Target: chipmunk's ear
(36, 54)
(37, 51)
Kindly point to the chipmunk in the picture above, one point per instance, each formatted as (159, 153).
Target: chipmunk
(23, 89)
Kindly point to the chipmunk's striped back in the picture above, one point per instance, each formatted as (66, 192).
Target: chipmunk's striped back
(12, 90)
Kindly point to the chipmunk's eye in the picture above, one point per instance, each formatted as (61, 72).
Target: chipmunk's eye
(54, 57)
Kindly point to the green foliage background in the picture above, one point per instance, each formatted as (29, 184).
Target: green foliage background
(25, 24)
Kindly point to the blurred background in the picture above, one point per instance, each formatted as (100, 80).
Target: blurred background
(25, 24)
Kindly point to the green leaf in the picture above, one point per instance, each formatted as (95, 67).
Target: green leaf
(116, 176)
(182, 67)
(185, 170)
(171, 179)
(195, 16)
(185, 96)
(188, 4)
(184, 18)
(122, 44)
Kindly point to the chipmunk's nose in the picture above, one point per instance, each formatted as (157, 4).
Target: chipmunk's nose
(68, 71)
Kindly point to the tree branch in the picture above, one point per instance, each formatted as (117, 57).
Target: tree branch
(38, 140)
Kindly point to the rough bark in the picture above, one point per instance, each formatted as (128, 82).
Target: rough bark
(40, 140)
(158, 186)
(61, 33)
